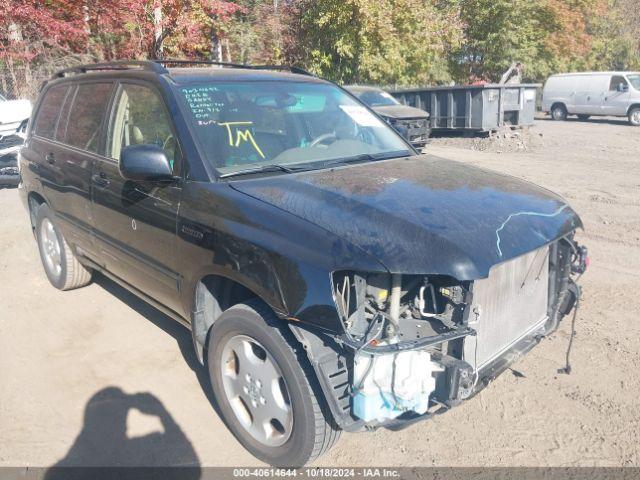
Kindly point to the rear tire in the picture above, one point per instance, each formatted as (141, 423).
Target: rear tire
(559, 112)
(63, 269)
(246, 343)
(634, 116)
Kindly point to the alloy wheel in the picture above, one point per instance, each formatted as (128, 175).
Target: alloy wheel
(51, 248)
(256, 390)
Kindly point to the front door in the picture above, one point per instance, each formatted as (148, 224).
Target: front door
(616, 101)
(135, 222)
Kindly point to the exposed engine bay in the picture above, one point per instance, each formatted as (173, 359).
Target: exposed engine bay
(397, 325)
(421, 342)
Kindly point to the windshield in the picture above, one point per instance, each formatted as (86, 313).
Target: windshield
(376, 98)
(245, 125)
(634, 80)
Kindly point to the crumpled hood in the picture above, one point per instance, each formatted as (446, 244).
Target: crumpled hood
(400, 112)
(422, 214)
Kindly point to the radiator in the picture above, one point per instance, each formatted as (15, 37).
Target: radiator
(507, 306)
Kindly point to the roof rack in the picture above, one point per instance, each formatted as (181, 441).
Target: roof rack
(160, 66)
(298, 70)
(170, 61)
(118, 65)
(288, 68)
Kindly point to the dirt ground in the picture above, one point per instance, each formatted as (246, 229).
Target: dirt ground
(95, 376)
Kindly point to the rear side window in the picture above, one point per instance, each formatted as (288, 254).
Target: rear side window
(61, 130)
(45, 124)
(85, 117)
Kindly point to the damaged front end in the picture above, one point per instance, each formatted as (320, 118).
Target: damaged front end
(416, 345)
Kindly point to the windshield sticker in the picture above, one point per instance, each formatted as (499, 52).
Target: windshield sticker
(307, 103)
(242, 134)
(361, 116)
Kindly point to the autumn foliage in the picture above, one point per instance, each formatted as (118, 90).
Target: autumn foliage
(367, 41)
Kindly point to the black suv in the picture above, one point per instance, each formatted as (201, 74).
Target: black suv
(332, 278)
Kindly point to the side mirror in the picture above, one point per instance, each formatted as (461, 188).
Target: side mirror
(623, 87)
(145, 163)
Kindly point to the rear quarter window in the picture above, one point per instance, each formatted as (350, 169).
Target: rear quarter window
(86, 115)
(45, 124)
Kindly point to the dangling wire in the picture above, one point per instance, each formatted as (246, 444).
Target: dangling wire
(567, 367)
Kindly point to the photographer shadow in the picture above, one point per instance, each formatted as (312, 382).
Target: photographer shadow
(103, 443)
(181, 334)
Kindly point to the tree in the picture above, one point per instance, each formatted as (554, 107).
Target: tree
(547, 36)
(497, 33)
(34, 34)
(155, 28)
(28, 27)
(257, 33)
(376, 41)
(616, 44)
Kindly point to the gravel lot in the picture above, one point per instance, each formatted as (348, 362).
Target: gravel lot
(95, 376)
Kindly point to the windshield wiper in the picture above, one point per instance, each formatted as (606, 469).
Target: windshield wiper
(274, 167)
(364, 157)
(297, 167)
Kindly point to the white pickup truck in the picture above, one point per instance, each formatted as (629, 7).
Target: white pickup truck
(12, 114)
(13, 121)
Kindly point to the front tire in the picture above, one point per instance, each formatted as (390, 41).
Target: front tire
(634, 116)
(559, 112)
(266, 390)
(63, 269)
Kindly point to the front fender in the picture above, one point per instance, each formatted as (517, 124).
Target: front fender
(285, 260)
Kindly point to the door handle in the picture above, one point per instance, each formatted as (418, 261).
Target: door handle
(50, 158)
(100, 179)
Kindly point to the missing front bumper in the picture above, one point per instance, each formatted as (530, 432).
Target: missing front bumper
(461, 392)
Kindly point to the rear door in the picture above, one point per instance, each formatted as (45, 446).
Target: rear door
(43, 147)
(616, 102)
(136, 221)
(67, 155)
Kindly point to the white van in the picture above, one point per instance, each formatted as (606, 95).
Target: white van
(593, 93)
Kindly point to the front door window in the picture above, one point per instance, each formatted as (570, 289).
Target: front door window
(616, 82)
(140, 118)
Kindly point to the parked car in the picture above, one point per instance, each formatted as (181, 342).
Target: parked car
(12, 114)
(412, 123)
(592, 94)
(332, 278)
(10, 145)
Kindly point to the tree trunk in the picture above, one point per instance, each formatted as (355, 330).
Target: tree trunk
(227, 48)
(157, 31)
(216, 46)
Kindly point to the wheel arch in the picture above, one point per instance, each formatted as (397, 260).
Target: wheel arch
(34, 200)
(213, 294)
(559, 104)
(632, 106)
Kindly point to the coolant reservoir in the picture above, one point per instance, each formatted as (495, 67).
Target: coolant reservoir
(380, 393)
